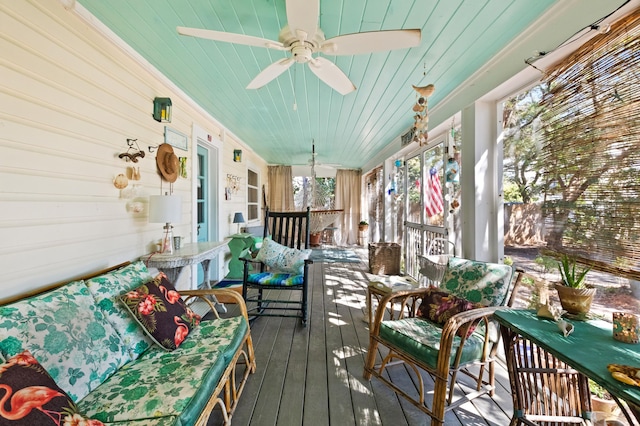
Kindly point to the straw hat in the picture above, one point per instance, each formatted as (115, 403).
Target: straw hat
(167, 162)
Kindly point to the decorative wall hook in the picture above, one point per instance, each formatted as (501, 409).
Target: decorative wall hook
(133, 152)
(152, 148)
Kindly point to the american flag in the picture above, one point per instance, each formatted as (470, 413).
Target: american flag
(433, 193)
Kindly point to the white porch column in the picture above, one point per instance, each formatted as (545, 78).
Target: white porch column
(481, 179)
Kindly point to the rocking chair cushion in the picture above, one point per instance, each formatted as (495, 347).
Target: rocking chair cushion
(421, 339)
(275, 279)
(282, 258)
(438, 306)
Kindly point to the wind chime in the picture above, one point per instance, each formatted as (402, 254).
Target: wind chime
(421, 118)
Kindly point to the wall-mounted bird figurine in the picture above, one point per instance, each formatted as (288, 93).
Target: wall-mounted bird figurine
(425, 91)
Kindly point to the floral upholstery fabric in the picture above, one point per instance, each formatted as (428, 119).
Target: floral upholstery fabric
(225, 335)
(34, 398)
(275, 279)
(162, 384)
(438, 306)
(479, 282)
(281, 258)
(107, 288)
(160, 310)
(421, 339)
(68, 334)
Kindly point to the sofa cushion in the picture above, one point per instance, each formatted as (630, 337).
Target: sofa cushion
(68, 334)
(160, 310)
(223, 335)
(478, 282)
(159, 386)
(34, 397)
(281, 258)
(107, 288)
(177, 383)
(438, 306)
(421, 339)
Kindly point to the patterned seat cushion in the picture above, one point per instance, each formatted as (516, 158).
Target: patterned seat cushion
(478, 282)
(421, 339)
(223, 335)
(107, 288)
(178, 383)
(160, 386)
(275, 279)
(68, 334)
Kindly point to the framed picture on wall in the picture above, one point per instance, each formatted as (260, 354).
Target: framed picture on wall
(175, 138)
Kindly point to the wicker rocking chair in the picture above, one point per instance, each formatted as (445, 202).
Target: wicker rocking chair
(444, 350)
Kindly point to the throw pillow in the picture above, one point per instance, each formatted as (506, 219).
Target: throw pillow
(281, 258)
(438, 306)
(33, 396)
(158, 308)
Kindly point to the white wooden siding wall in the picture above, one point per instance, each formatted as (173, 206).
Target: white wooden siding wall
(69, 99)
(238, 201)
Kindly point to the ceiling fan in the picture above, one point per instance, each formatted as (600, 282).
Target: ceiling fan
(303, 38)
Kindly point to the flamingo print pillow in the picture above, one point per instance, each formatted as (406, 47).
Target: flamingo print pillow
(158, 308)
(29, 396)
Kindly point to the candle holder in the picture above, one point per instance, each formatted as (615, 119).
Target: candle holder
(626, 327)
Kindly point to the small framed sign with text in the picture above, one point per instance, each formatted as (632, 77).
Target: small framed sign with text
(175, 138)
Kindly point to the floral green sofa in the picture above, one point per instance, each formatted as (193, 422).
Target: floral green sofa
(99, 355)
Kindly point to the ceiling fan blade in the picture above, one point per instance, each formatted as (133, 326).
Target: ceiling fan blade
(329, 72)
(302, 15)
(372, 41)
(270, 72)
(231, 38)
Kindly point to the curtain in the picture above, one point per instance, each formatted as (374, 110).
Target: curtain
(280, 189)
(348, 189)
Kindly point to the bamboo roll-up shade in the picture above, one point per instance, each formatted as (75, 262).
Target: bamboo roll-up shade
(591, 150)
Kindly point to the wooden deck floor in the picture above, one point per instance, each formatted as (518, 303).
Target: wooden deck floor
(313, 375)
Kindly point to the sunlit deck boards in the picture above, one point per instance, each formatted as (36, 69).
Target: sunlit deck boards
(313, 375)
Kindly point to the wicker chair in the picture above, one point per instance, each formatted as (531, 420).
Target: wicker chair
(445, 350)
(289, 229)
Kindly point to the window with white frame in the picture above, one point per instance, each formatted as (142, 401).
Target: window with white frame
(253, 201)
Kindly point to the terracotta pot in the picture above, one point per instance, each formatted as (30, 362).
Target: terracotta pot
(363, 227)
(606, 406)
(575, 300)
(314, 239)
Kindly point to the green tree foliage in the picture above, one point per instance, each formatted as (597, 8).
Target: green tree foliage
(521, 120)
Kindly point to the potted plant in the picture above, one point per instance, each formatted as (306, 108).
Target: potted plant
(602, 401)
(575, 296)
(363, 225)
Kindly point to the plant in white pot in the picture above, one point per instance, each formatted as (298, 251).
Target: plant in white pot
(574, 294)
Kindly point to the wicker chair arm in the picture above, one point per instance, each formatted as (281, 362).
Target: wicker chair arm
(458, 325)
(202, 294)
(404, 298)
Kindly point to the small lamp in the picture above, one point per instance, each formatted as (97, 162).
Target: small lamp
(162, 110)
(165, 209)
(238, 218)
(237, 155)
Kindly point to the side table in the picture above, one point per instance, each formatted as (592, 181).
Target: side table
(378, 289)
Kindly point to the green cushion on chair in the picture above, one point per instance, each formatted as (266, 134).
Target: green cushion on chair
(421, 339)
(275, 279)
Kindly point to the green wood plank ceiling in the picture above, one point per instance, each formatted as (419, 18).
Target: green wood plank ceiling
(458, 38)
